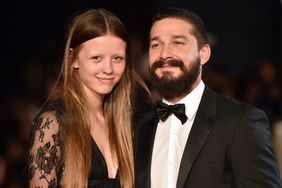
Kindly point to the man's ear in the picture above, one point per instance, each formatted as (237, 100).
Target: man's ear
(72, 59)
(205, 53)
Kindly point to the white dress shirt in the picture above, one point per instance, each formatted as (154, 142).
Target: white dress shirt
(170, 140)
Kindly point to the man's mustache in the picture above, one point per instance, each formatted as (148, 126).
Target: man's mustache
(172, 62)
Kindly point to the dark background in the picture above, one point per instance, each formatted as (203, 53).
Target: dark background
(245, 35)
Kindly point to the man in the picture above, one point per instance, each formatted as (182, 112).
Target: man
(218, 142)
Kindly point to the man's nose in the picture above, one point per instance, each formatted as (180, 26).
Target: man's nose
(166, 52)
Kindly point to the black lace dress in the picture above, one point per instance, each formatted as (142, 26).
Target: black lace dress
(45, 166)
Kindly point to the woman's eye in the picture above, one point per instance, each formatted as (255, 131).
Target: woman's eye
(117, 59)
(96, 59)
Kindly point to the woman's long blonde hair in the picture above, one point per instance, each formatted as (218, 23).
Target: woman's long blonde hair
(117, 106)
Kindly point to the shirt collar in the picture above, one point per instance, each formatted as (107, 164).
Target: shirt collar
(192, 100)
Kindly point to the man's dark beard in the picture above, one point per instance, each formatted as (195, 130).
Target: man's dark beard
(170, 87)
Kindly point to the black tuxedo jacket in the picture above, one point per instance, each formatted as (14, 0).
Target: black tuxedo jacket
(229, 146)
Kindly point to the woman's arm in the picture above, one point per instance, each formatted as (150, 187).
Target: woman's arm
(44, 165)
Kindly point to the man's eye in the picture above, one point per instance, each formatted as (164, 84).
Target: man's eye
(178, 42)
(155, 45)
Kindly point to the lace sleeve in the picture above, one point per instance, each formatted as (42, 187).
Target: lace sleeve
(45, 151)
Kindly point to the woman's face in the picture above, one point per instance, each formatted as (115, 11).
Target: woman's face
(101, 63)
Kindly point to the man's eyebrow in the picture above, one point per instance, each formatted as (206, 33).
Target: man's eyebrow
(173, 36)
(154, 38)
(179, 37)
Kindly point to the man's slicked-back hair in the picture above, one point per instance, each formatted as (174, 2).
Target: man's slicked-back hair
(199, 29)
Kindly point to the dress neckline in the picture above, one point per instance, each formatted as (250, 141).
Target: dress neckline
(103, 160)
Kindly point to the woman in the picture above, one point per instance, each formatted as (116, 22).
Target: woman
(84, 138)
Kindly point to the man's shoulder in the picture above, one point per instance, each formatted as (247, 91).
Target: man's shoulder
(226, 104)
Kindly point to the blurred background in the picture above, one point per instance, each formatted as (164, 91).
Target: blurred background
(246, 63)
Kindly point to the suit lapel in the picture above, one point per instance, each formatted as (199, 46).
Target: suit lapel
(144, 146)
(200, 130)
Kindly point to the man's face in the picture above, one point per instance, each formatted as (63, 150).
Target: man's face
(174, 57)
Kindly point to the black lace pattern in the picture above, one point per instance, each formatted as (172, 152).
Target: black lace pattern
(44, 165)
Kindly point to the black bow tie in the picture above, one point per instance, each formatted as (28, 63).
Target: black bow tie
(165, 110)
